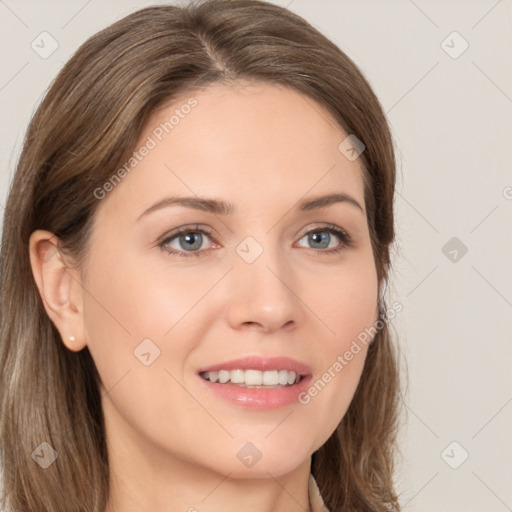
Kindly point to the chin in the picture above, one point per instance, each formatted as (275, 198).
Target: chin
(259, 460)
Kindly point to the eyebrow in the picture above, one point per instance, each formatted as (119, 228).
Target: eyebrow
(219, 207)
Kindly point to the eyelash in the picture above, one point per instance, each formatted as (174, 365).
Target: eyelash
(346, 239)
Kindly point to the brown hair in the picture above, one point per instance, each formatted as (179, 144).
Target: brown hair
(86, 126)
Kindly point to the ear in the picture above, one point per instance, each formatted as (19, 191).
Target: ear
(60, 288)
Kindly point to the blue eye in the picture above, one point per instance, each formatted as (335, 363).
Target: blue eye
(190, 240)
(321, 236)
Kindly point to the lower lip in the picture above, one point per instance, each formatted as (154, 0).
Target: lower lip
(258, 398)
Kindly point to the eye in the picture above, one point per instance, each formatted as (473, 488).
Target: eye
(188, 239)
(321, 238)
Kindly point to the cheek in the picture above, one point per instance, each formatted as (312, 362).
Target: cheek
(133, 322)
(335, 381)
(348, 309)
(348, 303)
(130, 300)
(132, 309)
(124, 309)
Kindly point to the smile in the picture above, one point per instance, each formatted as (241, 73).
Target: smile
(253, 378)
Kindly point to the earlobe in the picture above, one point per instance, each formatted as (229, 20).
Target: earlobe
(59, 287)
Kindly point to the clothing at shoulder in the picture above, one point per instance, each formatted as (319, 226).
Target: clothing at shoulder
(316, 501)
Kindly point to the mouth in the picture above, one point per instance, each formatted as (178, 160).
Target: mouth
(257, 372)
(251, 378)
(257, 383)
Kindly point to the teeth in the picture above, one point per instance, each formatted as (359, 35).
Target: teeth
(283, 377)
(237, 376)
(271, 378)
(253, 378)
(224, 376)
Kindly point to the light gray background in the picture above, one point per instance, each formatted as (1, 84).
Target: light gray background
(451, 120)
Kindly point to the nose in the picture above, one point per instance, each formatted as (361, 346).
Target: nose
(262, 295)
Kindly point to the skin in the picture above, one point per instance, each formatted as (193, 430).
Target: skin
(171, 446)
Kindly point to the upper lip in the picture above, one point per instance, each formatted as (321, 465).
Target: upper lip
(260, 363)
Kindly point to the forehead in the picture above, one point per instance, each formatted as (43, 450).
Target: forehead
(253, 142)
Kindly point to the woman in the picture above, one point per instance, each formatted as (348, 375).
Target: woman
(194, 252)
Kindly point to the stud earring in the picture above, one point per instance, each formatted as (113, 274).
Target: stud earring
(71, 338)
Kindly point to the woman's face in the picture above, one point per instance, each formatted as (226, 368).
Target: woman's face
(268, 279)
